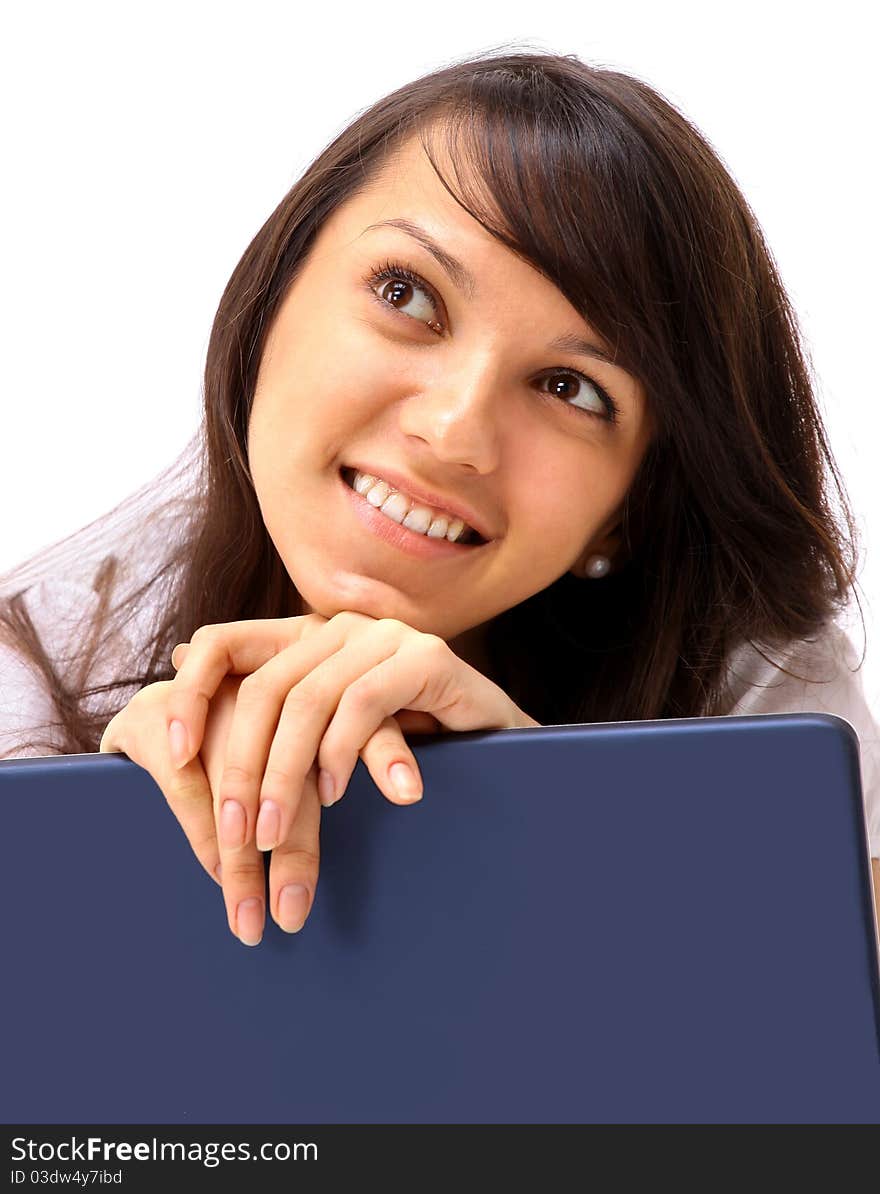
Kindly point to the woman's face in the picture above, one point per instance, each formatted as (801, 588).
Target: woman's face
(486, 414)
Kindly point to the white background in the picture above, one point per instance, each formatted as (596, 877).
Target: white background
(145, 145)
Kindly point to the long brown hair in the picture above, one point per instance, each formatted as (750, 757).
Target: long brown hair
(729, 532)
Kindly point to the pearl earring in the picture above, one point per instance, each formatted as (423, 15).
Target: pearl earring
(597, 566)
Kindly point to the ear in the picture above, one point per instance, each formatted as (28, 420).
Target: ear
(605, 544)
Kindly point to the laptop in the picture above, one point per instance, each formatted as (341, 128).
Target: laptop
(637, 922)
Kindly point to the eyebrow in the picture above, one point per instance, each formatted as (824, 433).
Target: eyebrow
(464, 280)
(461, 276)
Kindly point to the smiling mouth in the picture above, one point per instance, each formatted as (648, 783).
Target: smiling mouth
(470, 538)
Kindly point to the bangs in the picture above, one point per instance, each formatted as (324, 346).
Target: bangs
(562, 195)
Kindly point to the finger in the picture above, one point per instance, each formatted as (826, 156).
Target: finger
(422, 675)
(280, 717)
(244, 892)
(293, 870)
(186, 791)
(302, 681)
(111, 739)
(189, 797)
(243, 875)
(310, 624)
(236, 648)
(386, 756)
(363, 724)
(179, 654)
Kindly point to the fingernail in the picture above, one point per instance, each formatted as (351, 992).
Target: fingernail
(268, 825)
(326, 788)
(233, 824)
(179, 744)
(293, 907)
(404, 782)
(249, 921)
(218, 872)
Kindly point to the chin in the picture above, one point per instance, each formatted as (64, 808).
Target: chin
(377, 599)
(353, 592)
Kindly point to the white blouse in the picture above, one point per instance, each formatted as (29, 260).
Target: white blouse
(830, 685)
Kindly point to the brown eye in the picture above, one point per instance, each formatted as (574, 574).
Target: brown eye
(401, 289)
(568, 385)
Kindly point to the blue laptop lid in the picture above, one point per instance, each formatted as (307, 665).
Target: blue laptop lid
(663, 921)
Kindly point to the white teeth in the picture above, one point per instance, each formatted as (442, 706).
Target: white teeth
(378, 493)
(397, 506)
(363, 481)
(418, 519)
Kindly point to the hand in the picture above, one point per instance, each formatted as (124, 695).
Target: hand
(322, 696)
(140, 730)
(316, 694)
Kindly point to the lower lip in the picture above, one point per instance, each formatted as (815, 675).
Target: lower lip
(400, 536)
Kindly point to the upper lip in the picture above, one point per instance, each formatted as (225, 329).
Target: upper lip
(427, 496)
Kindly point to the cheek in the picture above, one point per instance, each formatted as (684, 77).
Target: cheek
(556, 532)
(263, 436)
(328, 394)
(274, 459)
(555, 505)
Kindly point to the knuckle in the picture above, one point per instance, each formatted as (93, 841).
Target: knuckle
(206, 635)
(429, 652)
(348, 619)
(362, 693)
(255, 687)
(304, 859)
(245, 872)
(204, 846)
(235, 778)
(390, 628)
(433, 646)
(303, 697)
(183, 687)
(307, 624)
(185, 789)
(278, 780)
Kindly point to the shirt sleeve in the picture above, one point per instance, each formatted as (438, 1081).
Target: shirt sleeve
(832, 683)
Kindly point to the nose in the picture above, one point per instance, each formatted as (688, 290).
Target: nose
(456, 414)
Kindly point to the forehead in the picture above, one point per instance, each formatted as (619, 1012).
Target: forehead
(407, 172)
(406, 184)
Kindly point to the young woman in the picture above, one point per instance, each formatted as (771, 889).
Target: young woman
(508, 422)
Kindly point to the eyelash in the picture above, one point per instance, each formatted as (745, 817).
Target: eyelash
(390, 271)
